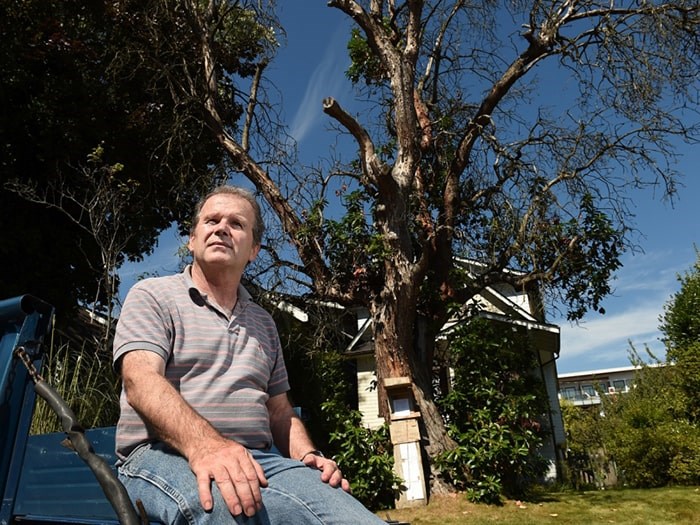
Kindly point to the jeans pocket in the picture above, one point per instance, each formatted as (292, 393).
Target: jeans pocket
(163, 482)
(133, 460)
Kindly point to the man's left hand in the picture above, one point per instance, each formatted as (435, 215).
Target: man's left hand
(330, 473)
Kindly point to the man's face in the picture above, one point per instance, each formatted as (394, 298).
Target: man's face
(223, 235)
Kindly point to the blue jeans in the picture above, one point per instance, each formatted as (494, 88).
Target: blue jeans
(295, 494)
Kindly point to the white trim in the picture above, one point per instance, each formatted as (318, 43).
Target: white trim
(601, 371)
(512, 304)
(530, 324)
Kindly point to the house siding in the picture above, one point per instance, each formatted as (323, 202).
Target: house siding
(367, 397)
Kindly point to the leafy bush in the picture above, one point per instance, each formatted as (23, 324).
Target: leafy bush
(493, 413)
(681, 327)
(365, 457)
(643, 457)
(684, 468)
(587, 463)
(646, 434)
(322, 382)
(660, 454)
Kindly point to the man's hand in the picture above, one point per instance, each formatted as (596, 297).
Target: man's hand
(292, 439)
(330, 473)
(233, 469)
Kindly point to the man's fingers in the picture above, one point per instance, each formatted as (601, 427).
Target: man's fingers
(259, 473)
(331, 474)
(246, 481)
(248, 498)
(336, 478)
(236, 474)
(230, 494)
(204, 489)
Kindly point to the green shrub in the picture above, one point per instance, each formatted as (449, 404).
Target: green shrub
(658, 455)
(322, 382)
(646, 434)
(365, 456)
(493, 413)
(643, 457)
(684, 468)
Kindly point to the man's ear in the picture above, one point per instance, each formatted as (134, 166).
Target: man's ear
(254, 253)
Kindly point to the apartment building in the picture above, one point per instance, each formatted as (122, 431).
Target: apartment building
(585, 388)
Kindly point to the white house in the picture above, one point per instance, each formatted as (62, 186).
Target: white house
(504, 305)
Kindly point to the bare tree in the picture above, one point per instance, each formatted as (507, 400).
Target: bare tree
(99, 207)
(463, 158)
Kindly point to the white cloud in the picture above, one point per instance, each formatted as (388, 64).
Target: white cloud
(645, 285)
(612, 333)
(649, 272)
(327, 79)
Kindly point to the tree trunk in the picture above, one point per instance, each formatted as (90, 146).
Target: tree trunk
(433, 429)
(396, 355)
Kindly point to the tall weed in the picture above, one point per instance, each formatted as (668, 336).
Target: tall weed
(86, 382)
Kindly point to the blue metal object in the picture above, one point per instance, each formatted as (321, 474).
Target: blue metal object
(24, 321)
(42, 478)
(56, 485)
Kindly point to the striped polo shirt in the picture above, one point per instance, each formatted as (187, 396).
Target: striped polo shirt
(225, 368)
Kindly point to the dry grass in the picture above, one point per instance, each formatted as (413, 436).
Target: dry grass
(667, 506)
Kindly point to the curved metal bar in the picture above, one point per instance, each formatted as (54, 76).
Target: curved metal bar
(111, 486)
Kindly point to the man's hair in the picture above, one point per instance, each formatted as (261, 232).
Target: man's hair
(258, 227)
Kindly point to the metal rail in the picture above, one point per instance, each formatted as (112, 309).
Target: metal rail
(110, 484)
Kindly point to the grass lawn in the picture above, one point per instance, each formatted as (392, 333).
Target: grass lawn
(674, 505)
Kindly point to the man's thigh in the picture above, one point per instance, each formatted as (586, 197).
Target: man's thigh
(167, 488)
(296, 494)
(164, 483)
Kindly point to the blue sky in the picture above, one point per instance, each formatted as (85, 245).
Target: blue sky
(312, 67)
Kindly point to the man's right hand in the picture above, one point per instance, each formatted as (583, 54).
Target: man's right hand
(232, 467)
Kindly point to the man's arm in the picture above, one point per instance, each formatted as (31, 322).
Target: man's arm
(292, 440)
(210, 455)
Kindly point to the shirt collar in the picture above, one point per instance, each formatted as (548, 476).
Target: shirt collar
(243, 294)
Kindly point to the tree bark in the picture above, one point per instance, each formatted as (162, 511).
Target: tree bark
(397, 355)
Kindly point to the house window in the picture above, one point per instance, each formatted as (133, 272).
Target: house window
(619, 385)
